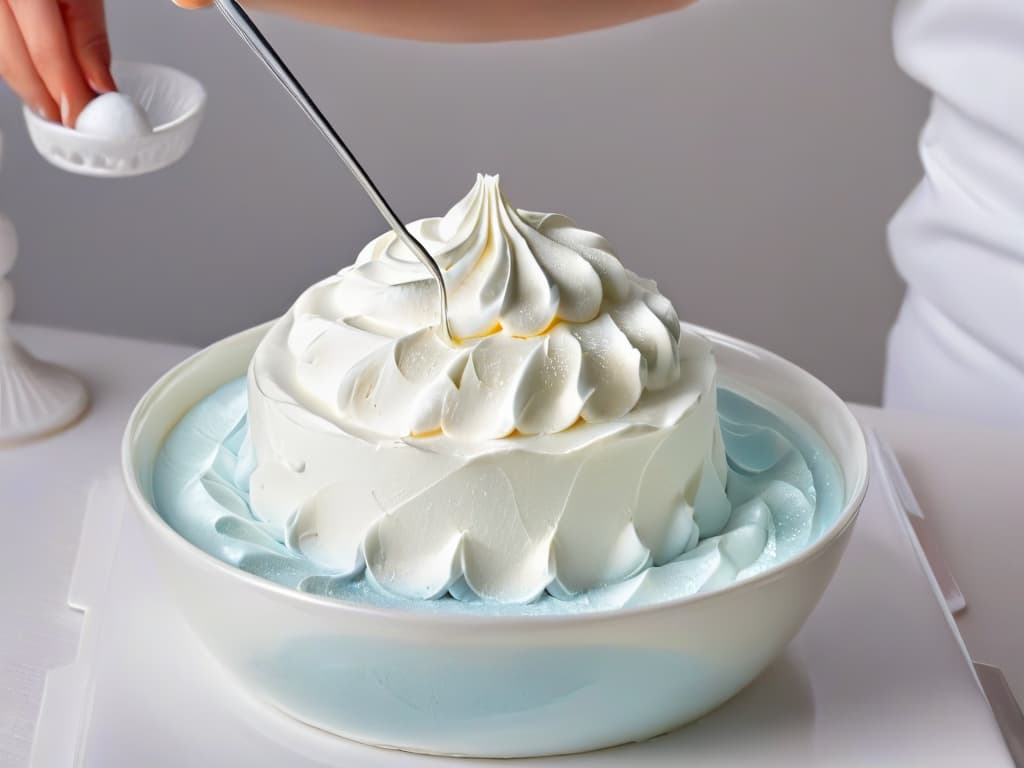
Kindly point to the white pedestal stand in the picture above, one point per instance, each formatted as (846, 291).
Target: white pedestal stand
(36, 398)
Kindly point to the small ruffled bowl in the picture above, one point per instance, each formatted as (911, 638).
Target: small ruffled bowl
(494, 686)
(174, 103)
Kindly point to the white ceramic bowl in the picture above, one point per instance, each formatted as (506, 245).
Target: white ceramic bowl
(174, 103)
(494, 686)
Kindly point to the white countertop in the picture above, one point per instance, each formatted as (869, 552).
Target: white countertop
(965, 478)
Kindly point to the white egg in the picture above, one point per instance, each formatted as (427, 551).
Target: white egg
(113, 116)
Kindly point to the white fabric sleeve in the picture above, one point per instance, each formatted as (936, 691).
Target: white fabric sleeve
(958, 240)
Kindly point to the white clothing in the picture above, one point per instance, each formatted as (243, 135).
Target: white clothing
(958, 241)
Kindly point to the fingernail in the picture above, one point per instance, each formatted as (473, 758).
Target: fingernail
(45, 112)
(98, 87)
(65, 109)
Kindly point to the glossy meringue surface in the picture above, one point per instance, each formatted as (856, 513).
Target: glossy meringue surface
(783, 491)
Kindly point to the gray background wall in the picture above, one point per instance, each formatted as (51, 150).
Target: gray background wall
(745, 154)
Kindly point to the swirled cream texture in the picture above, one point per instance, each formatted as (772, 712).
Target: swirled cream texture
(567, 441)
(553, 330)
(784, 492)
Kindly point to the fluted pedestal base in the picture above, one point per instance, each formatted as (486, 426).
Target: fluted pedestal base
(37, 398)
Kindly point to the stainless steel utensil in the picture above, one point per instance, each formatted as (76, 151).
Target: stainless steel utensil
(248, 31)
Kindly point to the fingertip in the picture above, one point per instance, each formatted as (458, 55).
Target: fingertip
(47, 110)
(94, 58)
(47, 37)
(71, 106)
(100, 80)
(98, 87)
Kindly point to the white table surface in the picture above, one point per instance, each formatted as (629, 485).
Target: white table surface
(965, 477)
(904, 693)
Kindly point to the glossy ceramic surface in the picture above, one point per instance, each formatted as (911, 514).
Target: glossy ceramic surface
(174, 103)
(490, 686)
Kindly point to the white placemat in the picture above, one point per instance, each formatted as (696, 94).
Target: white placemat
(878, 676)
(43, 490)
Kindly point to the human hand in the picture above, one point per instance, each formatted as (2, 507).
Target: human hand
(55, 54)
(191, 5)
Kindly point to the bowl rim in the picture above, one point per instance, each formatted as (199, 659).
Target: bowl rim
(854, 496)
(59, 129)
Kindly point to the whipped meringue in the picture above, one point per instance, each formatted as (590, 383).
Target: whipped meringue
(554, 330)
(113, 116)
(567, 441)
